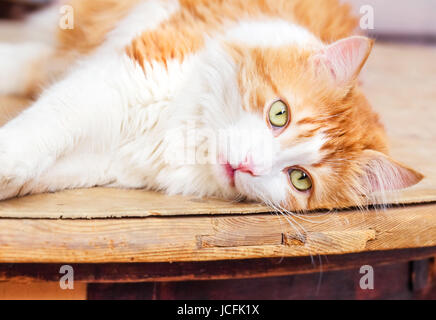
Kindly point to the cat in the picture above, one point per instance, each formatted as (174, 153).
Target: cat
(236, 99)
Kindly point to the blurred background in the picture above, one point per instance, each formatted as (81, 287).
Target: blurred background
(18, 9)
(394, 20)
(401, 20)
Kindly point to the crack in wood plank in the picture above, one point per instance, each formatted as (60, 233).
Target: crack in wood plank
(331, 241)
(213, 238)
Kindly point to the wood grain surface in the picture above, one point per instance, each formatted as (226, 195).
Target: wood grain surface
(11, 290)
(210, 270)
(200, 238)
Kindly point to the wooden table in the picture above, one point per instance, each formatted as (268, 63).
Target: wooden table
(138, 244)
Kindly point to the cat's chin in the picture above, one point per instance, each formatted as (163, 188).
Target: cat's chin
(226, 182)
(244, 186)
(233, 184)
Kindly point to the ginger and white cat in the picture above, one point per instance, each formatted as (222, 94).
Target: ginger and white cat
(252, 99)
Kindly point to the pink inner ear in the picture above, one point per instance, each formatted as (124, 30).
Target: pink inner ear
(345, 57)
(389, 180)
(385, 174)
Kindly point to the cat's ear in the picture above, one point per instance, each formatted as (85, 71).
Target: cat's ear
(345, 58)
(382, 173)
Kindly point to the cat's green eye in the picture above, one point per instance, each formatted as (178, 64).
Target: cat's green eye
(278, 114)
(300, 179)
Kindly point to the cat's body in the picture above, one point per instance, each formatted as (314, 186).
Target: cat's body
(145, 90)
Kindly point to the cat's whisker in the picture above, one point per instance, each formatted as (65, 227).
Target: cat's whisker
(299, 216)
(294, 224)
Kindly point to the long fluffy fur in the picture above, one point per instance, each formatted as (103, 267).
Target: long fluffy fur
(137, 86)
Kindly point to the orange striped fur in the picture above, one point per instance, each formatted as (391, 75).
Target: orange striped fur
(343, 113)
(183, 33)
(92, 21)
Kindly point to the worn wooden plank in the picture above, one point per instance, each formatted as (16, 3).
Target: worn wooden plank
(11, 290)
(209, 270)
(164, 239)
(391, 282)
(400, 84)
(107, 203)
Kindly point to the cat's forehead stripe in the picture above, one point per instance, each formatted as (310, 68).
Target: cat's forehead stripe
(308, 133)
(308, 120)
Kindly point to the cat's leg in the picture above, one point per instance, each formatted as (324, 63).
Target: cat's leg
(83, 111)
(77, 170)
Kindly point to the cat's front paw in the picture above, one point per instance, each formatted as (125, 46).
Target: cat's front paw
(10, 185)
(13, 175)
(23, 158)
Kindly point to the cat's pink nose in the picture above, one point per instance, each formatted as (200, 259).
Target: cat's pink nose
(247, 167)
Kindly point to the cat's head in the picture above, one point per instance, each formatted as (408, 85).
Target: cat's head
(300, 133)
